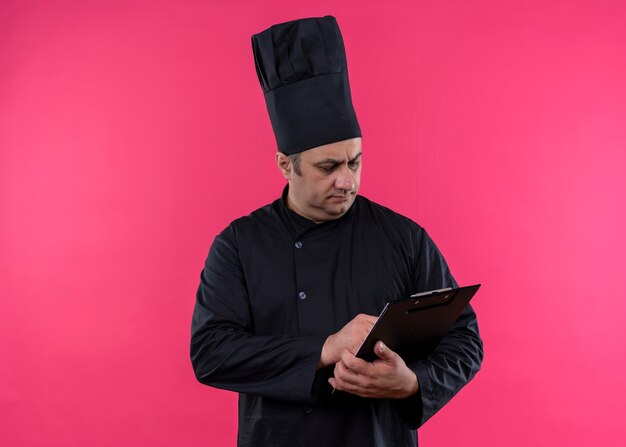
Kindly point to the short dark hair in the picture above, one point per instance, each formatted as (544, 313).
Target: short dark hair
(295, 162)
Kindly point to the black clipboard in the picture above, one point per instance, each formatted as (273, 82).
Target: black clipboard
(412, 327)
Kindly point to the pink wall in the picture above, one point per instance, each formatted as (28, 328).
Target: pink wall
(131, 133)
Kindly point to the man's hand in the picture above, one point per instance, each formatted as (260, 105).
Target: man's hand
(386, 377)
(348, 338)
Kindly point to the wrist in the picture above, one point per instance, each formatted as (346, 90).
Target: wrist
(326, 358)
(413, 385)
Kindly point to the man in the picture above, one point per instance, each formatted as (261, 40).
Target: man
(289, 292)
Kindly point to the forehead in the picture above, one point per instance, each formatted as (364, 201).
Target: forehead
(341, 150)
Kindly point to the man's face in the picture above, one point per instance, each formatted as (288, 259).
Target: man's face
(327, 182)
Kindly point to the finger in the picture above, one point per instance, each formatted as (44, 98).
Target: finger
(384, 353)
(346, 378)
(353, 363)
(342, 383)
(353, 387)
(368, 319)
(343, 372)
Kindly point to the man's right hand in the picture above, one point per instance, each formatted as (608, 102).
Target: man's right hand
(349, 337)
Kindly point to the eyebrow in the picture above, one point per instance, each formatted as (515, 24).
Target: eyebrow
(336, 162)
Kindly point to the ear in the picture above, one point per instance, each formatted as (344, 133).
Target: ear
(284, 164)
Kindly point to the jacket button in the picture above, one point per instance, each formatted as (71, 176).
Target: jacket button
(302, 295)
(308, 409)
(298, 244)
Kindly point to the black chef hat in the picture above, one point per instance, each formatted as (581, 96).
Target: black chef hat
(304, 76)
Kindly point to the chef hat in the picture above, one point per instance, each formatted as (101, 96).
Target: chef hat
(304, 76)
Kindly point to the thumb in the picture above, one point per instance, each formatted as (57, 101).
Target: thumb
(384, 353)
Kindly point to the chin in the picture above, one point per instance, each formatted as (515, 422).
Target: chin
(341, 210)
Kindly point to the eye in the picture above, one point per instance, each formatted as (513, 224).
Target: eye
(328, 169)
(354, 165)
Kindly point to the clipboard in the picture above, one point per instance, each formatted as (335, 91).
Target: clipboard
(412, 327)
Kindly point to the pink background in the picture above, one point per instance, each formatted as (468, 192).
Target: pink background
(131, 133)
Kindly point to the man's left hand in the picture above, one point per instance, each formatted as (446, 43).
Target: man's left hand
(386, 377)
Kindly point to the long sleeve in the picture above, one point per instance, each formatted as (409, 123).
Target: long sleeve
(458, 356)
(225, 350)
(274, 287)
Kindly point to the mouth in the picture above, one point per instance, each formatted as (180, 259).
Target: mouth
(340, 198)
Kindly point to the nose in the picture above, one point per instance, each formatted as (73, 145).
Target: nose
(345, 179)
